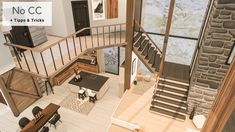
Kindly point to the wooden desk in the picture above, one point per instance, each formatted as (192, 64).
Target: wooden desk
(47, 112)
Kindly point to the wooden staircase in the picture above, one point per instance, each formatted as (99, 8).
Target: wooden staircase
(170, 95)
(147, 52)
(170, 98)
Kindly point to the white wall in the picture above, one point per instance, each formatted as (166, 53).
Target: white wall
(6, 61)
(59, 26)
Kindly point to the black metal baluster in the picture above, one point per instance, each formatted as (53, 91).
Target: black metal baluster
(97, 31)
(103, 37)
(68, 49)
(115, 34)
(92, 40)
(34, 61)
(61, 56)
(53, 59)
(109, 35)
(80, 43)
(74, 45)
(85, 42)
(44, 64)
(26, 61)
(120, 33)
(17, 57)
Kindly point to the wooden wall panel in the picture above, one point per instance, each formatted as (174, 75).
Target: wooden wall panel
(112, 9)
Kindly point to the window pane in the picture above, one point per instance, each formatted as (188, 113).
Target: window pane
(188, 17)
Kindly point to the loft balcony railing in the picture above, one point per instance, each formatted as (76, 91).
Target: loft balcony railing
(48, 59)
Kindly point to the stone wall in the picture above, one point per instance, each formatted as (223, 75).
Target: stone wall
(211, 67)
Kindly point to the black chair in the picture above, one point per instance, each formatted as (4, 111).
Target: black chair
(55, 119)
(45, 129)
(37, 112)
(23, 122)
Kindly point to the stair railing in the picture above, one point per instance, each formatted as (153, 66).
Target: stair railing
(66, 51)
(146, 34)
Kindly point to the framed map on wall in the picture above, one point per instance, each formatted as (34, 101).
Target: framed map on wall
(98, 11)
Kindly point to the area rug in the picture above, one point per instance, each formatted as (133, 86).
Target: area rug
(73, 103)
(141, 87)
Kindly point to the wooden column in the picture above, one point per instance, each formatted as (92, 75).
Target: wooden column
(224, 103)
(167, 33)
(129, 41)
(8, 98)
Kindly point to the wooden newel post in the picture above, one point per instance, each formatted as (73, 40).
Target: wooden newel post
(129, 41)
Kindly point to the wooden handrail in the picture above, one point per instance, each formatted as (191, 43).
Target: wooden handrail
(148, 36)
(63, 39)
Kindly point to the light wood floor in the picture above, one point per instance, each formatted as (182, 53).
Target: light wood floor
(98, 119)
(137, 112)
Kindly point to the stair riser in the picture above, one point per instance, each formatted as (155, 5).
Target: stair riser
(178, 112)
(170, 92)
(173, 87)
(172, 81)
(167, 97)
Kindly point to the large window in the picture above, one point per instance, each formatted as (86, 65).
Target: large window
(186, 23)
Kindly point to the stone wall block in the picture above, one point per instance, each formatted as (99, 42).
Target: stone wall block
(229, 24)
(217, 43)
(212, 50)
(232, 32)
(226, 1)
(212, 58)
(229, 45)
(219, 61)
(215, 65)
(233, 15)
(219, 36)
(203, 63)
(226, 52)
(218, 25)
(226, 17)
(209, 98)
(222, 70)
(216, 13)
(210, 93)
(225, 12)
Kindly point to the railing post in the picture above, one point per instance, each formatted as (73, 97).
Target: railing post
(85, 42)
(80, 43)
(92, 43)
(61, 56)
(75, 50)
(68, 49)
(53, 59)
(103, 36)
(44, 64)
(115, 34)
(27, 64)
(34, 61)
(97, 31)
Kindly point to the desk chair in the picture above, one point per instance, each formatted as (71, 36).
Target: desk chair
(55, 119)
(36, 111)
(23, 122)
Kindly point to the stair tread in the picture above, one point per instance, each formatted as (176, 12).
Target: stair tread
(143, 45)
(172, 90)
(156, 64)
(169, 101)
(170, 95)
(151, 49)
(137, 36)
(152, 57)
(173, 84)
(172, 114)
(145, 51)
(140, 41)
(166, 106)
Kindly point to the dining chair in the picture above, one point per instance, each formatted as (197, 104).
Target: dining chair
(23, 122)
(55, 119)
(37, 111)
